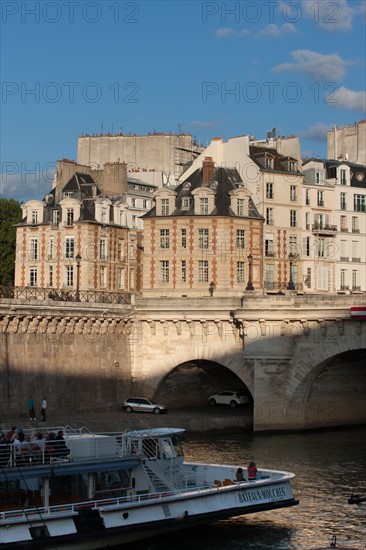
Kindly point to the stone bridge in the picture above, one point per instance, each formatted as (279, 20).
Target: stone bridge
(301, 358)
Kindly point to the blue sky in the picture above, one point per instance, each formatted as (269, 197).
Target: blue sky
(211, 68)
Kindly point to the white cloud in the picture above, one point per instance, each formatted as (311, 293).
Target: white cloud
(275, 31)
(24, 187)
(317, 132)
(332, 16)
(227, 32)
(329, 67)
(345, 98)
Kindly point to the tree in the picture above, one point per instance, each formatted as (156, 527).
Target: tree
(10, 214)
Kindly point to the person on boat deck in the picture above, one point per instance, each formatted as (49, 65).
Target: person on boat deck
(9, 435)
(38, 447)
(239, 475)
(61, 451)
(252, 471)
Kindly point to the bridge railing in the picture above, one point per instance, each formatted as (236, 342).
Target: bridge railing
(58, 295)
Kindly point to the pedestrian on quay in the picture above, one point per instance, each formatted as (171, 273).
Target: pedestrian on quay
(43, 409)
(31, 404)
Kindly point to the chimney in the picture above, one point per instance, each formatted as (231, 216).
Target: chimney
(208, 170)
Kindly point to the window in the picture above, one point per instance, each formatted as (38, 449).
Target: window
(34, 216)
(50, 249)
(355, 280)
(355, 227)
(359, 203)
(183, 234)
(343, 205)
(69, 217)
(164, 271)
(240, 274)
(307, 197)
(103, 250)
(321, 248)
(268, 247)
(355, 255)
(344, 223)
(306, 246)
(165, 207)
(307, 220)
(203, 205)
(292, 166)
(269, 216)
(293, 218)
(322, 278)
(343, 177)
(104, 218)
(145, 204)
(268, 163)
(269, 276)
(164, 238)
(203, 238)
(69, 247)
(33, 249)
(269, 190)
(186, 203)
(293, 244)
(55, 218)
(121, 249)
(240, 207)
(317, 177)
(50, 275)
(203, 271)
(308, 277)
(293, 192)
(33, 276)
(69, 275)
(183, 270)
(320, 197)
(240, 238)
(120, 278)
(344, 279)
(102, 276)
(133, 203)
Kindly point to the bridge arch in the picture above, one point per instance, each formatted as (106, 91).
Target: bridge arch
(189, 383)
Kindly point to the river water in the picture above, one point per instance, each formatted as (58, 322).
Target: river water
(329, 466)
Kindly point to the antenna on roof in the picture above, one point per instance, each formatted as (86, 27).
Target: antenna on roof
(112, 127)
(101, 128)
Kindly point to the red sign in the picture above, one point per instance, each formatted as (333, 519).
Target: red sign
(358, 313)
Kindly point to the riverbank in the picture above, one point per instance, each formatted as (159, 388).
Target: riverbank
(193, 419)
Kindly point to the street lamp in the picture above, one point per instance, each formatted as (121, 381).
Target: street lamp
(250, 280)
(211, 288)
(78, 262)
(291, 285)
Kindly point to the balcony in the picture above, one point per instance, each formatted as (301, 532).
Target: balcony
(354, 230)
(344, 259)
(32, 292)
(344, 229)
(356, 260)
(356, 289)
(270, 254)
(320, 203)
(325, 229)
(344, 288)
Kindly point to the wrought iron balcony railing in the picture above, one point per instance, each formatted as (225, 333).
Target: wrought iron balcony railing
(61, 295)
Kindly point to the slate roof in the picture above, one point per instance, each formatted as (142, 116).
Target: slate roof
(280, 163)
(357, 171)
(224, 180)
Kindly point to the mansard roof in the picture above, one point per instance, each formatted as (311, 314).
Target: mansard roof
(357, 171)
(280, 162)
(224, 181)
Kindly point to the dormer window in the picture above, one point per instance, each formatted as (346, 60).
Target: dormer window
(34, 216)
(269, 163)
(343, 177)
(165, 207)
(203, 205)
(292, 166)
(186, 203)
(68, 195)
(240, 207)
(69, 217)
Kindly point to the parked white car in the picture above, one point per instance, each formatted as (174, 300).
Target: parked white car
(229, 397)
(141, 404)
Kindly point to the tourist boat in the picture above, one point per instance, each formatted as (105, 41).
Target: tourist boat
(112, 489)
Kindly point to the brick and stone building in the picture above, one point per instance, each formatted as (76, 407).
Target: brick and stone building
(203, 237)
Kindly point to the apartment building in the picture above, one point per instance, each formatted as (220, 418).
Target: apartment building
(335, 225)
(203, 237)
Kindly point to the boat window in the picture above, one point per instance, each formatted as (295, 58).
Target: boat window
(167, 448)
(177, 446)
